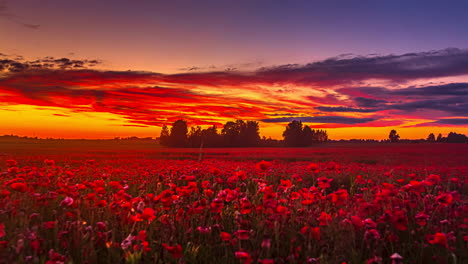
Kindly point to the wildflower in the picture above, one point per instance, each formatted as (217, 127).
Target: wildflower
(68, 201)
(266, 243)
(127, 243)
(19, 186)
(313, 167)
(445, 199)
(372, 234)
(244, 257)
(49, 224)
(438, 239)
(324, 182)
(421, 218)
(147, 214)
(242, 234)
(263, 165)
(225, 236)
(49, 162)
(11, 163)
(396, 258)
(2, 230)
(175, 251)
(101, 203)
(324, 219)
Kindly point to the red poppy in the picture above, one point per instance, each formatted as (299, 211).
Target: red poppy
(225, 236)
(147, 214)
(324, 219)
(438, 239)
(244, 257)
(2, 230)
(263, 165)
(175, 251)
(11, 163)
(19, 186)
(242, 234)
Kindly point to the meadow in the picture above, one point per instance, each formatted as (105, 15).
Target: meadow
(102, 202)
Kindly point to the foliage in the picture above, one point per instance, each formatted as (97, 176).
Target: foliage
(393, 136)
(296, 135)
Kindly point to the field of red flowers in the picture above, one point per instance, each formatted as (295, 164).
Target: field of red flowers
(142, 209)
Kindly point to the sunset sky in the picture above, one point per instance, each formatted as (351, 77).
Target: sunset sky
(102, 69)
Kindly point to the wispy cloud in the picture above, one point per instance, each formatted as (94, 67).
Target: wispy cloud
(7, 14)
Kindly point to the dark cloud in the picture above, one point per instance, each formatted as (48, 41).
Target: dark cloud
(439, 63)
(445, 89)
(345, 109)
(451, 98)
(453, 121)
(444, 122)
(368, 102)
(454, 105)
(17, 65)
(320, 119)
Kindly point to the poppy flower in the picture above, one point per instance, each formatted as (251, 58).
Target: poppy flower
(175, 251)
(244, 257)
(19, 186)
(242, 234)
(438, 239)
(263, 165)
(147, 214)
(11, 163)
(225, 236)
(324, 219)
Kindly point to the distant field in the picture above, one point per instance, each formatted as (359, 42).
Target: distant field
(369, 153)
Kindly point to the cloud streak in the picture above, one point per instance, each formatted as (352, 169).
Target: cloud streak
(6, 14)
(328, 93)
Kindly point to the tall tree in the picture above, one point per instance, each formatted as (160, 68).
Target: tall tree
(393, 136)
(307, 136)
(431, 138)
(210, 137)
(178, 137)
(293, 134)
(251, 134)
(194, 138)
(164, 137)
(439, 137)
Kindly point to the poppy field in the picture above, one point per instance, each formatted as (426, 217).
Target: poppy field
(297, 208)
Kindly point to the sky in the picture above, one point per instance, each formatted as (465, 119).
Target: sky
(105, 69)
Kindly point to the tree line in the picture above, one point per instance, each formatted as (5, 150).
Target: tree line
(452, 137)
(238, 133)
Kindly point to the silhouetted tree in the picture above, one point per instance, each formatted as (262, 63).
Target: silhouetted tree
(178, 137)
(393, 136)
(250, 134)
(453, 137)
(319, 135)
(293, 134)
(164, 137)
(195, 137)
(439, 137)
(297, 136)
(211, 138)
(307, 136)
(230, 133)
(431, 138)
